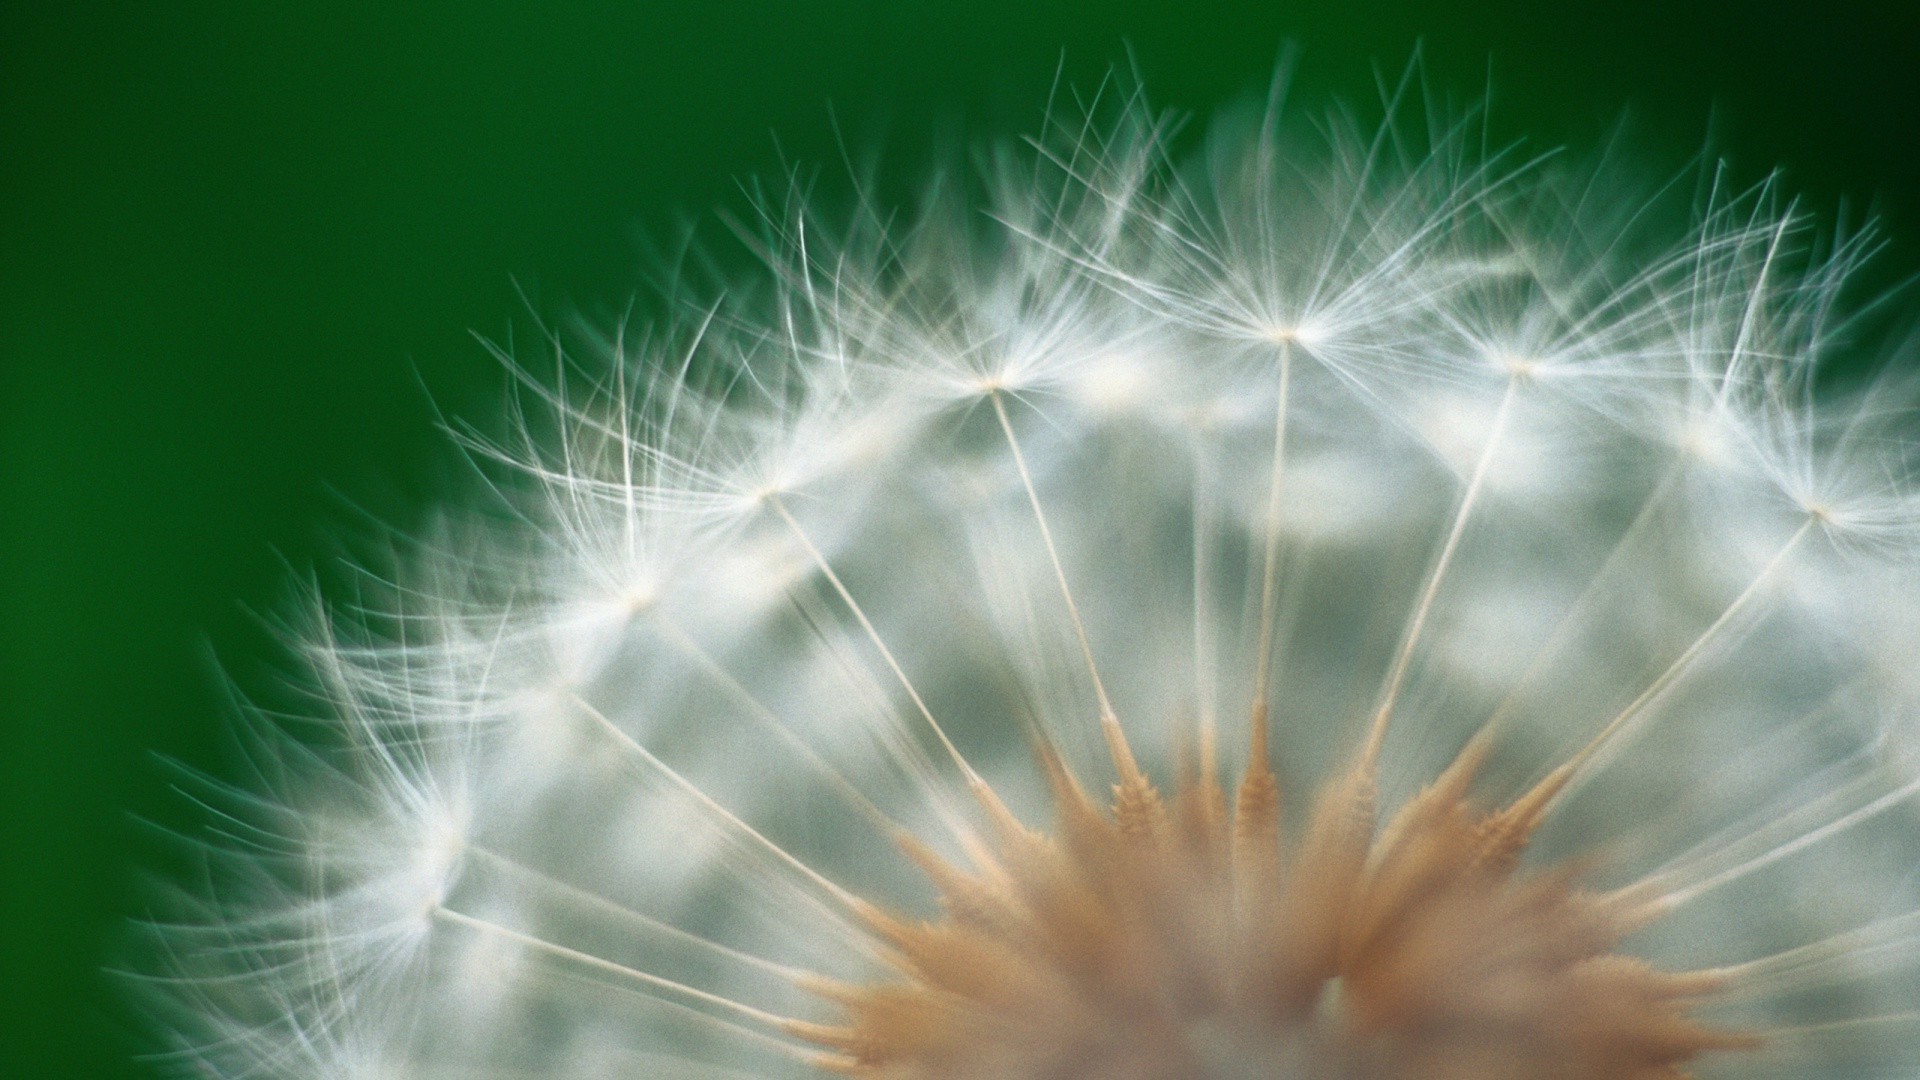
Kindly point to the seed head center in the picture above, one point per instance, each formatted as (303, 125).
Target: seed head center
(1183, 939)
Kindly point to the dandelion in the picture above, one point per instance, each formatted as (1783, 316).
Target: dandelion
(1349, 605)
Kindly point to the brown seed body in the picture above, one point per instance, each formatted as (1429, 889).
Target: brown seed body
(1181, 941)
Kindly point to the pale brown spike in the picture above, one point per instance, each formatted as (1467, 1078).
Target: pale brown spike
(1693, 984)
(1200, 816)
(1083, 824)
(1259, 750)
(1349, 804)
(1632, 909)
(989, 800)
(978, 853)
(1327, 871)
(1122, 753)
(1256, 854)
(827, 988)
(1200, 803)
(1508, 830)
(834, 1035)
(1447, 794)
(1139, 811)
(887, 927)
(1431, 839)
(1008, 827)
(966, 898)
(1068, 796)
(1209, 752)
(1256, 810)
(838, 1064)
(1258, 738)
(928, 950)
(1460, 773)
(1256, 831)
(1186, 761)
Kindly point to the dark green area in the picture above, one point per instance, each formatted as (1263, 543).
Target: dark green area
(241, 244)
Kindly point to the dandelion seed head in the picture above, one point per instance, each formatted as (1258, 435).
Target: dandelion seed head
(1352, 604)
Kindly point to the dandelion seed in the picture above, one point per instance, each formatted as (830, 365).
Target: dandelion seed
(1339, 607)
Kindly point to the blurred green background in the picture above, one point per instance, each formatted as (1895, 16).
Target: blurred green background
(243, 246)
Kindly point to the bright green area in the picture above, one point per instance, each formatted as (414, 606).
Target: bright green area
(241, 244)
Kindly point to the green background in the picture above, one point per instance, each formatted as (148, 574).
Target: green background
(243, 246)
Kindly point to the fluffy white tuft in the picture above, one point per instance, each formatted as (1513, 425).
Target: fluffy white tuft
(1367, 424)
